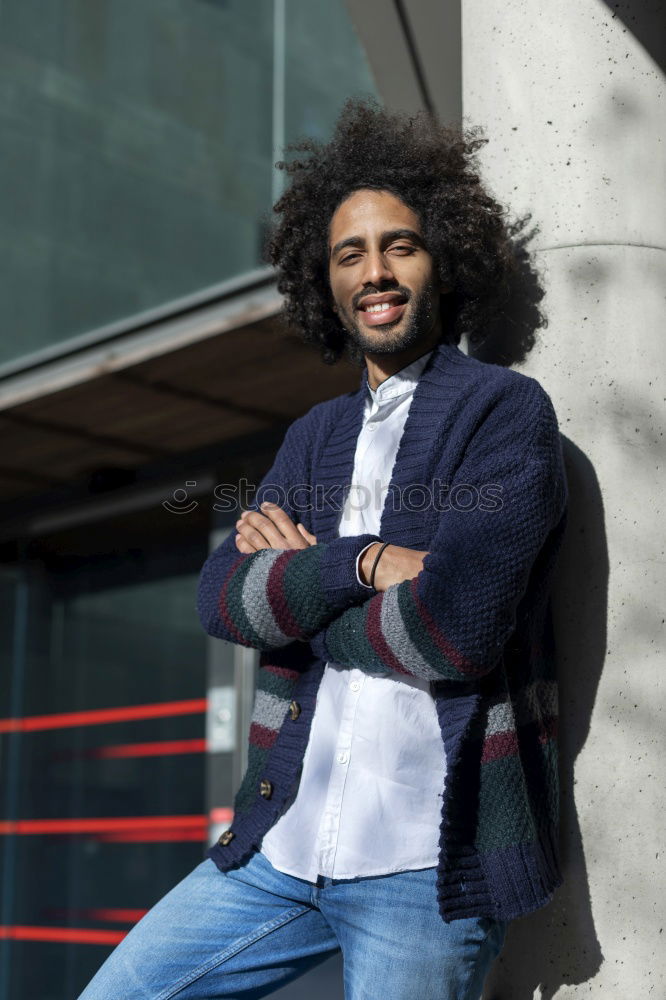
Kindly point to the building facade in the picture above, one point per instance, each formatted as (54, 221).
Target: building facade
(142, 365)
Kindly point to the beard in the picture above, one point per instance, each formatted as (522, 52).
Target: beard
(390, 338)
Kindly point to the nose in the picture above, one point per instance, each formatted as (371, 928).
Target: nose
(377, 270)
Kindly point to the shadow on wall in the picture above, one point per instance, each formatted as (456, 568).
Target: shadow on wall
(508, 338)
(646, 20)
(558, 945)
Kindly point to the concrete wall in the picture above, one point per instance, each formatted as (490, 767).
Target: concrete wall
(572, 98)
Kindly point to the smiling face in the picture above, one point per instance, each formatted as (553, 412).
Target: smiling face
(384, 282)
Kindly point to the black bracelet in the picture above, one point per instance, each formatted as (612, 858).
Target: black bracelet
(374, 565)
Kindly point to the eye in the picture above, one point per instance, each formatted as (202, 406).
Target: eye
(349, 258)
(403, 248)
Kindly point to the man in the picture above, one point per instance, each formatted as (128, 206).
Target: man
(400, 802)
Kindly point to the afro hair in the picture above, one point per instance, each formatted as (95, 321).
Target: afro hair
(433, 169)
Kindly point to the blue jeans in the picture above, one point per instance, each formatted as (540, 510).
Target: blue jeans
(249, 931)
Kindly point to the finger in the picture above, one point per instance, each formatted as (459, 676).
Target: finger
(309, 538)
(255, 538)
(252, 524)
(244, 546)
(292, 538)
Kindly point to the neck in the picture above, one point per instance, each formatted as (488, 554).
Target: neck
(382, 366)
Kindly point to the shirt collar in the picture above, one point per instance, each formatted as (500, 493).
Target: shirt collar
(401, 382)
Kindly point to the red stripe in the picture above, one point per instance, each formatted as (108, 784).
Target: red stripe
(277, 598)
(376, 636)
(548, 728)
(114, 915)
(70, 935)
(262, 736)
(162, 748)
(106, 914)
(109, 824)
(175, 836)
(460, 662)
(222, 600)
(96, 717)
(223, 814)
(285, 672)
(499, 745)
(505, 744)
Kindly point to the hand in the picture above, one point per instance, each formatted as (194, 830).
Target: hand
(310, 539)
(271, 529)
(396, 564)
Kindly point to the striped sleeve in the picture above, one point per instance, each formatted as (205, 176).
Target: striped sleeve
(272, 597)
(452, 621)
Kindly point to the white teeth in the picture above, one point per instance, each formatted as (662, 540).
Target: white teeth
(381, 307)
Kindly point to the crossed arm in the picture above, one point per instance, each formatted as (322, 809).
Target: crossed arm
(283, 586)
(272, 528)
(448, 620)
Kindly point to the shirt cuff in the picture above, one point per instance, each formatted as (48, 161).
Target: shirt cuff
(358, 567)
(341, 583)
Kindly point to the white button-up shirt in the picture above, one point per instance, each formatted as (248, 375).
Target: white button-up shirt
(370, 795)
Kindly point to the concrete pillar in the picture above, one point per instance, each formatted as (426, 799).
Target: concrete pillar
(572, 99)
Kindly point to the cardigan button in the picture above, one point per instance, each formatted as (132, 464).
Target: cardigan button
(265, 788)
(294, 710)
(226, 838)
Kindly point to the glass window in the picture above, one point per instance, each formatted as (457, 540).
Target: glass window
(104, 791)
(138, 142)
(324, 65)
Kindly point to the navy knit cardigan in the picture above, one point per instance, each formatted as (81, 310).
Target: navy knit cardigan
(479, 482)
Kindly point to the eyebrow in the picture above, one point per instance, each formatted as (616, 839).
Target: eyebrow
(388, 237)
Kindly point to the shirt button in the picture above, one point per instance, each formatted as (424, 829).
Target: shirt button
(355, 686)
(226, 837)
(342, 758)
(294, 710)
(265, 788)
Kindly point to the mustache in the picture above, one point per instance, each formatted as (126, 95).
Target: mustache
(399, 289)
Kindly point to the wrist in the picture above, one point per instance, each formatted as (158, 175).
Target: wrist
(366, 561)
(342, 584)
(370, 563)
(359, 576)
